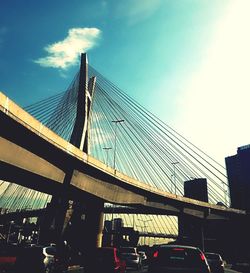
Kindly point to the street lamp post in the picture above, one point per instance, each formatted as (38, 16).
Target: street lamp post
(174, 164)
(116, 122)
(9, 231)
(144, 226)
(106, 149)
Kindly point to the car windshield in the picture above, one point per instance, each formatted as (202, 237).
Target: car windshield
(105, 253)
(130, 256)
(51, 250)
(104, 257)
(212, 256)
(179, 257)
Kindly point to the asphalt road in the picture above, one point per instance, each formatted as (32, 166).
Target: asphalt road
(80, 270)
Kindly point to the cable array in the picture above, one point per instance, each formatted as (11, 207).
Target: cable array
(127, 137)
(145, 148)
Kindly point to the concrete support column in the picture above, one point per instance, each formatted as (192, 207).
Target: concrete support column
(93, 230)
(94, 222)
(191, 230)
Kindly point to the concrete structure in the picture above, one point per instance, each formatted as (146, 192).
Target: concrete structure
(238, 172)
(196, 189)
(33, 156)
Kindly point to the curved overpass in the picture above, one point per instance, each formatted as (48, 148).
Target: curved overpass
(33, 156)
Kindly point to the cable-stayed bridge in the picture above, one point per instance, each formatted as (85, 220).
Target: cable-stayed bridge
(94, 142)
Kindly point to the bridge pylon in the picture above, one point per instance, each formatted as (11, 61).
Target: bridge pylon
(79, 138)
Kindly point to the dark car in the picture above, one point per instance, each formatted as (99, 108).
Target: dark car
(49, 253)
(131, 257)
(107, 259)
(30, 260)
(178, 258)
(132, 261)
(215, 262)
(8, 256)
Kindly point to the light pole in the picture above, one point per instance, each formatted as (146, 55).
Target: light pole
(107, 149)
(174, 164)
(9, 231)
(144, 226)
(116, 122)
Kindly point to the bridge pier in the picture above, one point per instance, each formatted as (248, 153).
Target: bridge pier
(191, 230)
(88, 235)
(94, 222)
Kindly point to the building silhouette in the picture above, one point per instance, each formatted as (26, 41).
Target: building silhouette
(196, 189)
(238, 172)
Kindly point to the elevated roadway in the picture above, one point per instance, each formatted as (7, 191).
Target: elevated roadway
(35, 157)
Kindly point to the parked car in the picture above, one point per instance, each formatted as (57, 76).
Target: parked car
(30, 259)
(107, 259)
(132, 257)
(8, 256)
(215, 262)
(132, 261)
(178, 258)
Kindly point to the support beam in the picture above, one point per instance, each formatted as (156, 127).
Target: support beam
(14, 155)
(81, 117)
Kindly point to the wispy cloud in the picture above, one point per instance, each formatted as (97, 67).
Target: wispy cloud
(137, 10)
(65, 53)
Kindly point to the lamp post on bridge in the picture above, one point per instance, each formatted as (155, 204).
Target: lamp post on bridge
(9, 231)
(107, 149)
(174, 174)
(118, 121)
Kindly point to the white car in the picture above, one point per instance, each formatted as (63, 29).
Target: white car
(49, 253)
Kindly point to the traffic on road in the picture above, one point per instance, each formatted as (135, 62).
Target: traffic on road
(165, 258)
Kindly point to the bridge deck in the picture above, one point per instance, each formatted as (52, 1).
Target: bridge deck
(31, 150)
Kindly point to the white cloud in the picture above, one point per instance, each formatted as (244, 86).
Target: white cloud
(65, 53)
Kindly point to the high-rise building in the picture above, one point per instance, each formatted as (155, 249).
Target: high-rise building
(238, 172)
(196, 189)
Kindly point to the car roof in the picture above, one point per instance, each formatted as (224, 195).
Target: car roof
(181, 246)
(212, 254)
(127, 247)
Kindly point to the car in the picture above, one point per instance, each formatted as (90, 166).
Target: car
(178, 259)
(132, 261)
(215, 262)
(30, 259)
(132, 257)
(49, 253)
(8, 256)
(107, 259)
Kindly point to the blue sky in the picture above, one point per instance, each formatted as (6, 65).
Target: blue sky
(185, 60)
